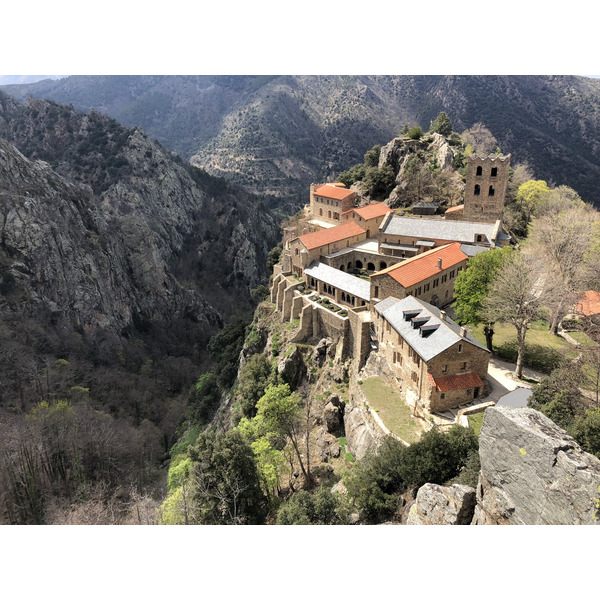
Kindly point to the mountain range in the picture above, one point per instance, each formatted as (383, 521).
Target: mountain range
(277, 134)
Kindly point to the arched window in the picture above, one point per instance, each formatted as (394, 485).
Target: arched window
(370, 267)
(479, 171)
(477, 190)
(329, 214)
(349, 265)
(358, 264)
(341, 267)
(321, 212)
(343, 297)
(494, 172)
(353, 301)
(491, 192)
(382, 265)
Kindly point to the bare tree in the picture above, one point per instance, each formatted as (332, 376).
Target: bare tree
(515, 298)
(567, 242)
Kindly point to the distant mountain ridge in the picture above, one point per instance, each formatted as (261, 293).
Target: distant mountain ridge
(277, 134)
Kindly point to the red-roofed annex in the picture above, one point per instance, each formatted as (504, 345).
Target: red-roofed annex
(429, 276)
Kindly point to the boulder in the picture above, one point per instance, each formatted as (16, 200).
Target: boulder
(324, 349)
(327, 445)
(444, 152)
(362, 434)
(533, 473)
(333, 415)
(292, 368)
(438, 505)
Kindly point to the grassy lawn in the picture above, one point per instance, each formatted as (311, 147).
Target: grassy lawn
(543, 351)
(392, 410)
(476, 421)
(581, 338)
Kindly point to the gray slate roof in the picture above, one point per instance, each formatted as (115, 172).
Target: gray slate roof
(445, 336)
(471, 250)
(339, 279)
(439, 229)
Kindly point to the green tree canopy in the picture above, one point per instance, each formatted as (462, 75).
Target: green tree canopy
(321, 507)
(441, 125)
(372, 156)
(225, 484)
(472, 286)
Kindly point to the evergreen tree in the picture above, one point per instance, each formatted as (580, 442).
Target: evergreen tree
(441, 125)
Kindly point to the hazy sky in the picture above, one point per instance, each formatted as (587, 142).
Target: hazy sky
(10, 79)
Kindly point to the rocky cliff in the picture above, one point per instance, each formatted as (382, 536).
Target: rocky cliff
(532, 473)
(112, 228)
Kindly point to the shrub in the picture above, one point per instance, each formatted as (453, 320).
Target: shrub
(322, 507)
(416, 133)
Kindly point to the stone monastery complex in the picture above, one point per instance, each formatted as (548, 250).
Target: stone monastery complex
(376, 282)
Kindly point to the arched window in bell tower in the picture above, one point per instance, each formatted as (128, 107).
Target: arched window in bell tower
(491, 191)
(477, 190)
(479, 171)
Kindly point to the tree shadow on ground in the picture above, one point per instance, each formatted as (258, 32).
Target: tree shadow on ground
(542, 358)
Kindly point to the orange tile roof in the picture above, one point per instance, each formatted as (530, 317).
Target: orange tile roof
(463, 381)
(333, 191)
(455, 208)
(588, 304)
(372, 211)
(424, 265)
(328, 236)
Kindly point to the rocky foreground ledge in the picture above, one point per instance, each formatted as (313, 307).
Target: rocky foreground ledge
(532, 473)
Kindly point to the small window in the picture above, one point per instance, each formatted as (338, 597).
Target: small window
(445, 369)
(494, 172)
(442, 396)
(469, 392)
(491, 191)
(460, 347)
(479, 171)
(463, 366)
(477, 190)
(414, 377)
(297, 252)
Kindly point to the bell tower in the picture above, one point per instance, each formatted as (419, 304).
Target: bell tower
(485, 190)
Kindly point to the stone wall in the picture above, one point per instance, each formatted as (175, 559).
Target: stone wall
(360, 341)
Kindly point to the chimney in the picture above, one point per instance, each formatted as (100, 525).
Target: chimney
(440, 263)
(463, 331)
(443, 315)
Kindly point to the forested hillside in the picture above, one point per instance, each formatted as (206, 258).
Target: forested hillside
(118, 262)
(277, 134)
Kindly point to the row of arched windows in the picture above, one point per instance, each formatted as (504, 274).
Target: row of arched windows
(493, 171)
(477, 191)
(359, 265)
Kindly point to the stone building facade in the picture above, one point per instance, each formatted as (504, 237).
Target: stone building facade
(485, 189)
(329, 201)
(369, 217)
(307, 248)
(429, 276)
(438, 364)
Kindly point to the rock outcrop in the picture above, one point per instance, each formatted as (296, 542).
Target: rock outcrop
(438, 505)
(533, 473)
